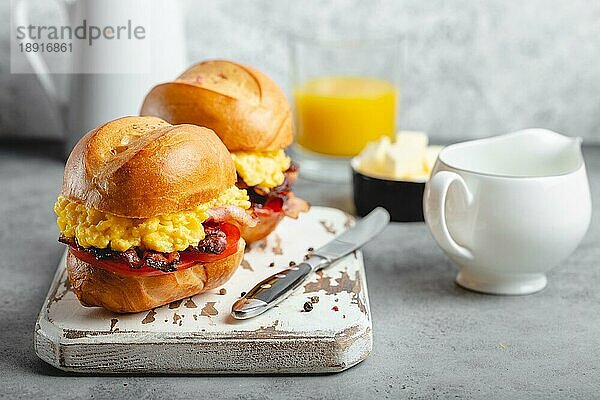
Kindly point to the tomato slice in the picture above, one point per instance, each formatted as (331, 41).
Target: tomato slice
(273, 206)
(188, 258)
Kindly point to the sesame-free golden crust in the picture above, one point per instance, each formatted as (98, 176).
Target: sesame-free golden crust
(139, 167)
(243, 106)
(96, 287)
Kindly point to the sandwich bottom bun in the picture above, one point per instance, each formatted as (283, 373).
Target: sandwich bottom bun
(129, 293)
(265, 225)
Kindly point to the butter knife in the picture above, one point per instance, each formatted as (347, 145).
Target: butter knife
(279, 286)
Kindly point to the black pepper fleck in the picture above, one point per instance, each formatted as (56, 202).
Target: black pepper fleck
(223, 291)
(292, 263)
(311, 249)
(314, 299)
(272, 265)
(242, 294)
(308, 306)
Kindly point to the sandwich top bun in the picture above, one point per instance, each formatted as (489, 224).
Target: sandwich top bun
(243, 106)
(140, 167)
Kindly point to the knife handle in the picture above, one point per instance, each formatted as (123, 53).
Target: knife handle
(274, 289)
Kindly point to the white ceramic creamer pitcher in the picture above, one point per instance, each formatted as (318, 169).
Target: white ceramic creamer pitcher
(509, 208)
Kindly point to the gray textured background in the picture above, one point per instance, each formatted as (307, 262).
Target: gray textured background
(472, 68)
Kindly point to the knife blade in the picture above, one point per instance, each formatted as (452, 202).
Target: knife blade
(274, 289)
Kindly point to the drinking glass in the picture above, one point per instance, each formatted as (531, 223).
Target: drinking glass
(346, 94)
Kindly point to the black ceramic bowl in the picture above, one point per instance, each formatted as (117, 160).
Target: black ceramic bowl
(402, 199)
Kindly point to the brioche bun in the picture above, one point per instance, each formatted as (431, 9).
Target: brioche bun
(243, 106)
(131, 293)
(140, 167)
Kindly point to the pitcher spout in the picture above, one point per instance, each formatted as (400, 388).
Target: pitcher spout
(551, 142)
(572, 148)
(576, 144)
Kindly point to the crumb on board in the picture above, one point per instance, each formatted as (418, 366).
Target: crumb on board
(190, 304)
(246, 265)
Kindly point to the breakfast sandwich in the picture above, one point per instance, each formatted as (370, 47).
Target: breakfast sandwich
(252, 116)
(151, 214)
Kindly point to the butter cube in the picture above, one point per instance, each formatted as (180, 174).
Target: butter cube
(408, 158)
(430, 156)
(372, 158)
(412, 139)
(404, 161)
(422, 177)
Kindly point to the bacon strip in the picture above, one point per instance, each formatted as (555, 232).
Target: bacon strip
(135, 257)
(231, 213)
(293, 206)
(215, 242)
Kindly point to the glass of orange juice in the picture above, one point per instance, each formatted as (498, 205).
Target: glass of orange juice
(346, 94)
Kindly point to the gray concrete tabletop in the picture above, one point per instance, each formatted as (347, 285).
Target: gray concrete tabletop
(432, 339)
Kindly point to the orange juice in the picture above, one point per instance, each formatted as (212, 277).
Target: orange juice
(338, 115)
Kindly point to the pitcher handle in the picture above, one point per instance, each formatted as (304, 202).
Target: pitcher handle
(434, 203)
(20, 13)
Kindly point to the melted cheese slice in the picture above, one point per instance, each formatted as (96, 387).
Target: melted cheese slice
(261, 168)
(164, 233)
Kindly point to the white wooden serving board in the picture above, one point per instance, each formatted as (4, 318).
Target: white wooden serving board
(197, 334)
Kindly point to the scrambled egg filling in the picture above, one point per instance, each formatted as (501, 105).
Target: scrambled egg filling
(164, 233)
(261, 169)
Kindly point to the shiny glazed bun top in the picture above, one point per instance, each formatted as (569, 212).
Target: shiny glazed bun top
(243, 106)
(139, 167)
